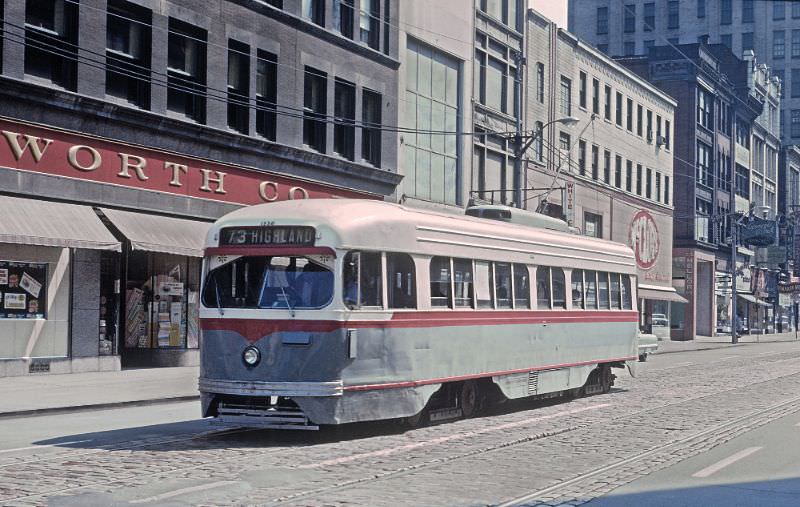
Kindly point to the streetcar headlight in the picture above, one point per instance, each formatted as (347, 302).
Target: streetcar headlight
(251, 356)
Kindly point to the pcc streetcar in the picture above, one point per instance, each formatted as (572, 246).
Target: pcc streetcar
(331, 311)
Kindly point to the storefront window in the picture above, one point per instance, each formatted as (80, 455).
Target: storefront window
(162, 300)
(23, 290)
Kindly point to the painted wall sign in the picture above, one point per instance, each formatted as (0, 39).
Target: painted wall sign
(43, 150)
(643, 238)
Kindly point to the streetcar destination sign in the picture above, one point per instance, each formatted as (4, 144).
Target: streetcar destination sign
(268, 236)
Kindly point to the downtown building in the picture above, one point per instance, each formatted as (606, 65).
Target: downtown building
(610, 174)
(128, 126)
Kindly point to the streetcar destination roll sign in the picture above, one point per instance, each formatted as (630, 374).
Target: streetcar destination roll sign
(279, 235)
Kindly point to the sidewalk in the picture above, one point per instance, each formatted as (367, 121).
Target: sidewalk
(44, 393)
(32, 394)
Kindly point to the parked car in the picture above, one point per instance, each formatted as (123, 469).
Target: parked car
(659, 319)
(648, 343)
(660, 326)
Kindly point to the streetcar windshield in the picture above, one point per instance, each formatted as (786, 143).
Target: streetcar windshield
(300, 282)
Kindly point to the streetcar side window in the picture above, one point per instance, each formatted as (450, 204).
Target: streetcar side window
(401, 278)
(462, 282)
(591, 289)
(626, 293)
(363, 279)
(522, 286)
(236, 284)
(502, 284)
(483, 284)
(577, 289)
(615, 292)
(543, 288)
(559, 288)
(440, 282)
(602, 290)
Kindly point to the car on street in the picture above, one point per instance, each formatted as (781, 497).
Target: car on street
(648, 343)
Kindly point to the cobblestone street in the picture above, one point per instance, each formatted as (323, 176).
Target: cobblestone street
(521, 454)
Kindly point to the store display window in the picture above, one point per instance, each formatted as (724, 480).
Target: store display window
(23, 290)
(162, 301)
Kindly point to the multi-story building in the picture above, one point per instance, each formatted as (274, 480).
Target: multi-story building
(128, 125)
(771, 28)
(610, 173)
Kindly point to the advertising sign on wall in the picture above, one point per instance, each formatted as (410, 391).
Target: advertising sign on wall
(23, 290)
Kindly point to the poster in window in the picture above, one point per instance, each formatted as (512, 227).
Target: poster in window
(24, 290)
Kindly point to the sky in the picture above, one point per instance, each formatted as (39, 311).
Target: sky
(556, 10)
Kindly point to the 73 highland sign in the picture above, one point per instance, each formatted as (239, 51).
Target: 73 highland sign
(49, 151)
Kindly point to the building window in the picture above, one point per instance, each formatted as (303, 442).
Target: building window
(638, 179)
(629, 117)
(592, 224)
(618, 171)
(649, 187)
(266, 94)
(51, 38)
(343, 11)
(540, 82)
(495, 79)
(595, 162)
(673, 20)
(742, 181)
(505, 11)
(564, 145)
(186, 70)
(566, 96)
(619, 109)
(701, 8)
(742, 134)
(658, 186)
(607, 110)
(371, 118)
(649, 125)
(778, 11)
(369, 23)
(582, 157)
(344, 112)
(794, 130)
(747, 11)
(314, 11)
(629, 48)
(315, 107)
(602, 20)
(667, 134)
(630, 18)
(128, 45)
(595, 96)
(607, 167)
(432, 103)
(795, 83)
(726, 12)
(666, 189)
(628, 175)
(238, 86)
(747, 41)
(726, 40)
(704, 174)
(582, 89)
(704, 108)
(795, 43)
(538, 143)
(649, 17)
(703, 221)
(795, 9)
(639, 119)
(778, 44)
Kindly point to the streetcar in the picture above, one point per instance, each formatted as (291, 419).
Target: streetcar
(332, 311)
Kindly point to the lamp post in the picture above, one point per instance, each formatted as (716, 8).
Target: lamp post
(522, 142)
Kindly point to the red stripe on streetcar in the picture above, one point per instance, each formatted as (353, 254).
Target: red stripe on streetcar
(417, 383)
(269, 251)
(255, 329)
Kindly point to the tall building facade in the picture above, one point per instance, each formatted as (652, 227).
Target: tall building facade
(609, 170)
(127, 126)
(770, 28)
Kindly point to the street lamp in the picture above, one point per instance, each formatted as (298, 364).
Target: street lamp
(522, 142)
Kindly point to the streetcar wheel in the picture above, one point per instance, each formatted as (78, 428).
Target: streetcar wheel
(469, 399)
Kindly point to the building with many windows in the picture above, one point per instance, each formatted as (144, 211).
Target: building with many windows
(770, 28)
(127, 126)
(610, 173)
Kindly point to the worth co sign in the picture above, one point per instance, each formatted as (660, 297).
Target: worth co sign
(42, 150)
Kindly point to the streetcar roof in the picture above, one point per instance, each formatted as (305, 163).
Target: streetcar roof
(379, 225)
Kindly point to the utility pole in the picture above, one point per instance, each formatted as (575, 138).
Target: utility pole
(519, 151)
(734, 233)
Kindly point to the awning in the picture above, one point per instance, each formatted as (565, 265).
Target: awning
(658, 293)
(45, 223)
(154, 233)
(752, 299)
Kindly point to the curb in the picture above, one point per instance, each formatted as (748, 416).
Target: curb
(96, 406)
(723, 345)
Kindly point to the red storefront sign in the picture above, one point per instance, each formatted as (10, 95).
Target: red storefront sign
(643, 238)
(49, 151)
